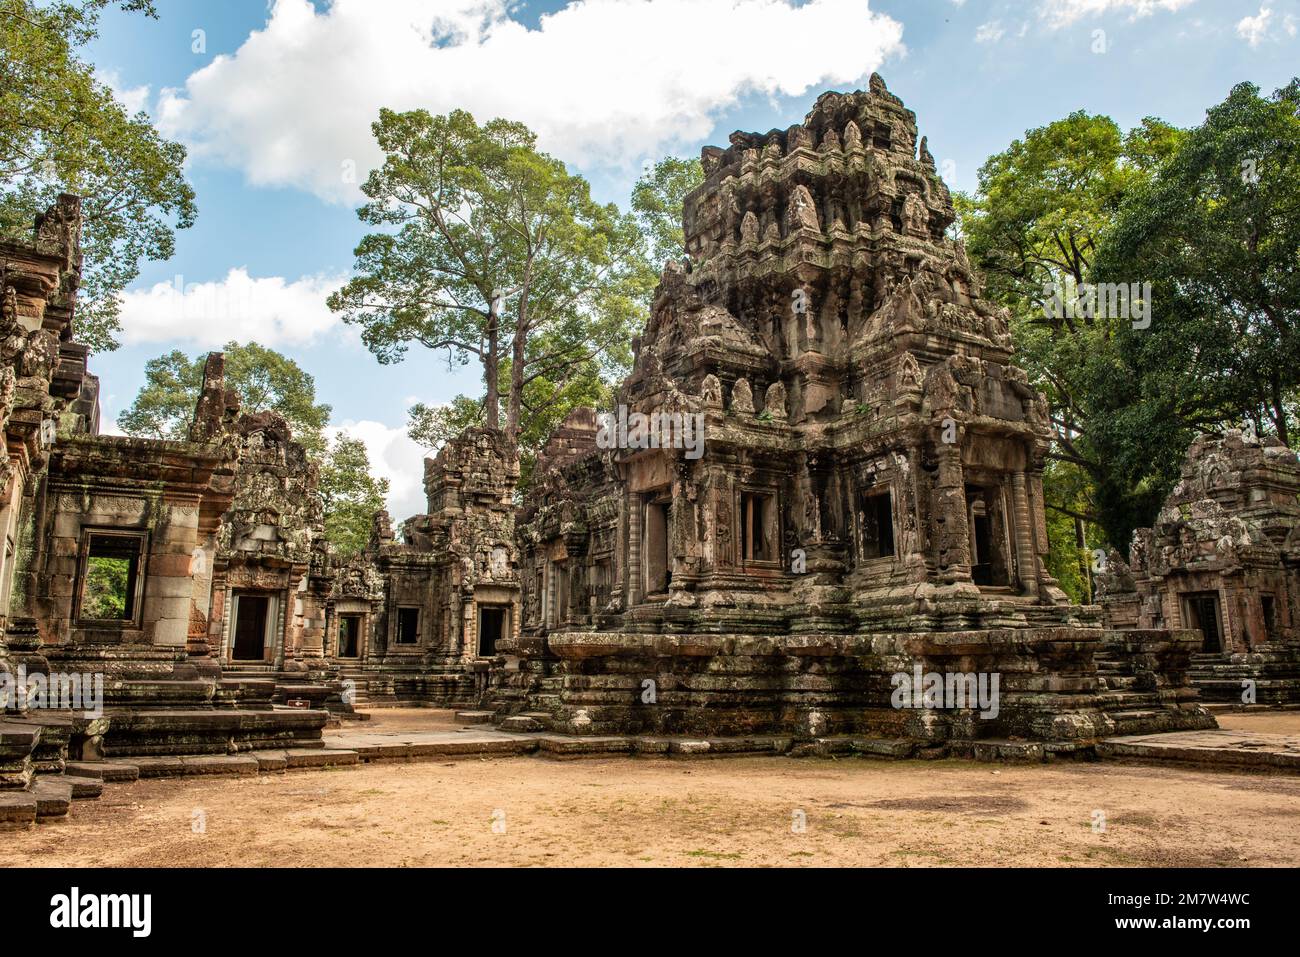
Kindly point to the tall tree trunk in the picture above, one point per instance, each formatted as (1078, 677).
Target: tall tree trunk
(1279, 412)
(1081, 544)
(517, 359)
(492, 370)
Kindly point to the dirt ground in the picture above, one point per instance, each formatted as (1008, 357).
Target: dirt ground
(646, 812)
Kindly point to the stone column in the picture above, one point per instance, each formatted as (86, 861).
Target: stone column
(1026, 560)
(948, 518)
(634, 550)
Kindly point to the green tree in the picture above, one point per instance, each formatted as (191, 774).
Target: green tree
(657, 201)
(1035, 225)
(1217, 233)
(349, 494)
(545, 405)
(61, 130)
(263, 378)
(491, 250)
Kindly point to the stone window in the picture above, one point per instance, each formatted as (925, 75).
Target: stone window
(349, 636)
(877, 520)
(758, 530)
(408, 626)
(492, 621)
(110, 577)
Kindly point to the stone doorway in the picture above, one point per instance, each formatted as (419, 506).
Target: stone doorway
(491, 628)
(657, 569)
(252, 623)
(349, 636)
(1201, 610)
(988, 538)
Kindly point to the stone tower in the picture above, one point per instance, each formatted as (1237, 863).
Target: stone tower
(868, 496)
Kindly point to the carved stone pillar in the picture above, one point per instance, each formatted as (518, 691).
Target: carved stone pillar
(634, 549)
(951, 530)
(1026, 560)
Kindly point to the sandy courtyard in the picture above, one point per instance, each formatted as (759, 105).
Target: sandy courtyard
(655, 812)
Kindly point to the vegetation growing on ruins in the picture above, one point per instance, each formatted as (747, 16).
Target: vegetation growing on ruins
(63, 130)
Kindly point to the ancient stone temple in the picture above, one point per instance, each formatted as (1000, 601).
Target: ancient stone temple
(867, 498)
(418, 621)
(1223, 558)
(110, 546)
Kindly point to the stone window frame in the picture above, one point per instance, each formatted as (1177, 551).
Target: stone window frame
(88, 532)
(397, 626)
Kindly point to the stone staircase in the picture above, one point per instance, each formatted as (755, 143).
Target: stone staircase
(1274, 669)
(35, 781)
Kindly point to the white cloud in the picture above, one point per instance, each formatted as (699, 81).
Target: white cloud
(1254, 30)
(269, 309)
(394, 456)
(133, 98)
(1062, 13)
(990, 32)
(603, 82)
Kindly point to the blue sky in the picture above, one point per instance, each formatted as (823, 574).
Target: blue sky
(274, 101)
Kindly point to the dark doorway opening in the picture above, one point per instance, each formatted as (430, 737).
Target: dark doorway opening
(250, 627)
(658, 571)
(877, 516)
(349, 636)
(1202, 611)
(491, 629)
(990, 566)
(1269, 609)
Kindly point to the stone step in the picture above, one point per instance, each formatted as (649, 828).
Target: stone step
(524, 723)
(164, 766)
(53, 797)
(474, 717)
(103, 770)
(276, 760)
(17, 809)
(84, 788)
(169, 732)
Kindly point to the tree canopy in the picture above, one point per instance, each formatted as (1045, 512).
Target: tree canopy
(349, 494)
(1217, 233)
(657, 200)
(62, 130)
(263, 378)
(492, 251)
